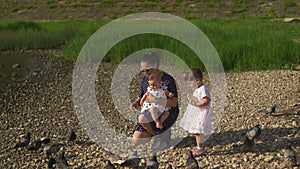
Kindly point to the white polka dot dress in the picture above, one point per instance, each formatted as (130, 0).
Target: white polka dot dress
(159, 93)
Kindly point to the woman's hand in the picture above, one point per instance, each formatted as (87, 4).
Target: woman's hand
(168, 93)
(134, 106)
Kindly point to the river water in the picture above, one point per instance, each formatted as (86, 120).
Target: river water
(28, 65)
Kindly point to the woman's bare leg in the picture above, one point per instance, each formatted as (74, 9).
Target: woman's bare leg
(139, 137)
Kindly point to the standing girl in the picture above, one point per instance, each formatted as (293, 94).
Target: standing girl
(196, 119)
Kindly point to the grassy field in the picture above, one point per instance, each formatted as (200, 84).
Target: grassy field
(242, 44)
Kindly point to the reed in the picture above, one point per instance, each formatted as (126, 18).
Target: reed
(242, 43)
(17, 35)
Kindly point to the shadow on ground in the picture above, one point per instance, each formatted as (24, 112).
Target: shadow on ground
(270, 140)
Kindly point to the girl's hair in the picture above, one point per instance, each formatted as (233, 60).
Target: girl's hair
(155, 74)
(151, 58)
(193, 74)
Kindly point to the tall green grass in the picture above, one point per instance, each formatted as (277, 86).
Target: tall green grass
(85, 29)
(140, 42)
(16, 35)
(19, 25)
(253, 44)
(242, 44)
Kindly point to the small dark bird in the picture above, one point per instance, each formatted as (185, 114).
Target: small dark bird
(153, 163)
(24, 142)
(109, 165)
(290, 156)
(251, 135)
(72, 136)
(62, 161)
(269, 110)
(45, 140)
(51, 162)
(191, 162)
(52, 149)
(254, 133)
(132, 161)
(34, 145)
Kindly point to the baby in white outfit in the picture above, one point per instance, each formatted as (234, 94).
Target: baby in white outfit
(158, 90)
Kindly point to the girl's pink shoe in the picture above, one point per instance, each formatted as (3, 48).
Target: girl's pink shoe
(198, 151)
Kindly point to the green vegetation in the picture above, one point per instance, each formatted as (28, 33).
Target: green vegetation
(242, 44)
(16, 35)
(289, 3)
(20, 26)
(253, 44)
(106, 3)
(148, 4)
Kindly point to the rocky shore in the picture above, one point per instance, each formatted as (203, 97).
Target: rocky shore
(42, 104)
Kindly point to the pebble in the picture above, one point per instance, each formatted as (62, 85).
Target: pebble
(294, 124)
(268, 158)
(16, 66)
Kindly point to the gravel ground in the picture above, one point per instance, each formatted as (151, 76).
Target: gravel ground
(41, 103)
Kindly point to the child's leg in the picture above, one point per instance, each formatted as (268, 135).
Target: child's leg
(164, 116)
(199, 150)
(198, 140)
(141, 118)
(154, 116)
(145, 124)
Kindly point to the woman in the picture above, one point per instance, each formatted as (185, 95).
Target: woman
(143, 132)
(151, 60)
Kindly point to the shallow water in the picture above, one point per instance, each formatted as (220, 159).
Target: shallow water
(28, 64)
